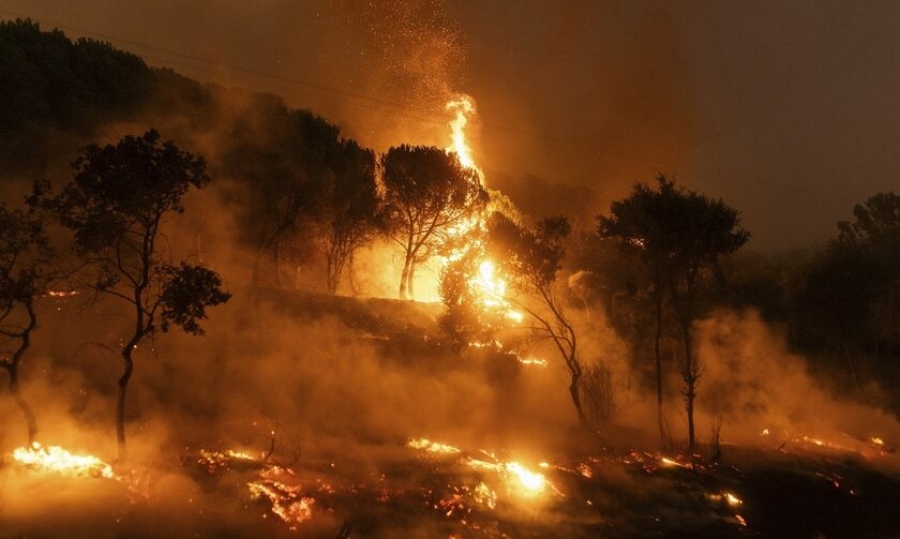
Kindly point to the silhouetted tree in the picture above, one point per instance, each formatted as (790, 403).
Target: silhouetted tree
(281, 158)
(115, 206)
(24, 270)
(429, 195)
(677, 234)
(531, 258)
(351, 215)
(848, 297)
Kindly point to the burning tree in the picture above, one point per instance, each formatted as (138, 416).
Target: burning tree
(676, 234)
(532, 257)
(24, 263)
(115, 206)
(429, 197)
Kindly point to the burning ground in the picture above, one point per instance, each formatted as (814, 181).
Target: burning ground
(313, 416)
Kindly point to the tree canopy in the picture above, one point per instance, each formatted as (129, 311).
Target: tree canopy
(429, 196)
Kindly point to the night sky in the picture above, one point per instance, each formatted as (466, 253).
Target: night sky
(787, 110)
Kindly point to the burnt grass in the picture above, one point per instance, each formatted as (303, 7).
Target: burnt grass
(606, 484)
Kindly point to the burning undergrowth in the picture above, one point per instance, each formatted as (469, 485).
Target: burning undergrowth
(284, 424)
(421, 487)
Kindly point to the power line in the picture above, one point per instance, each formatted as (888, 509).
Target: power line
(322, 91)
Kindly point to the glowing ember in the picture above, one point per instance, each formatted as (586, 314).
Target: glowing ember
(485, 495)
(729, 498)
(287, 501)
(62, 293)
(669, 462)
(57, 460)
(430, 446)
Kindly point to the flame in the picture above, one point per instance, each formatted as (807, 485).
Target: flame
(519, 479)
(730, 499)
(55, 459)
(430, 446)
(487, 286)
(532, 481)
(461, 107)
(533, 361)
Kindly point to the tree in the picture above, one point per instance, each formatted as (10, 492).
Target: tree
(532, 257)
(351, 216)
(24, 269)
(115, 206)
(847, 297)
(429, 196)
(281, 157)
(676, 234)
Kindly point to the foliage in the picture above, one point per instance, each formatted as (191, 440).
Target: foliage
(48, 79)
(429, 197)
(187, 292)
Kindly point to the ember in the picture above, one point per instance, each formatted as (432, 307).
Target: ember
(287, 500)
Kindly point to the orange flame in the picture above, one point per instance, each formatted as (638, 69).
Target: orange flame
(461, 108)
(55, 459)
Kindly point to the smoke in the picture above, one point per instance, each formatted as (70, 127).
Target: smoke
(755, 384)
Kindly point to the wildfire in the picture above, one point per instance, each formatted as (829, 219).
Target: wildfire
(55, 459)
(461, 108)
(487, 285)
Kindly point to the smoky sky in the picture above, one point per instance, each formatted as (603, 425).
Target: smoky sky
(784, 110)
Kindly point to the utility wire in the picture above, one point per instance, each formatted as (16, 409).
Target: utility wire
(271, 81)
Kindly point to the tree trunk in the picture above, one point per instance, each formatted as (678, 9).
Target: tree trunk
(574, 391)
(659, 377)
(30, 419)
(120, 402)
(691, 376)
(410, 287)
(404, 277)
(334, 272)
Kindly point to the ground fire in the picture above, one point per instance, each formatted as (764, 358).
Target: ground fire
(278, 383)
